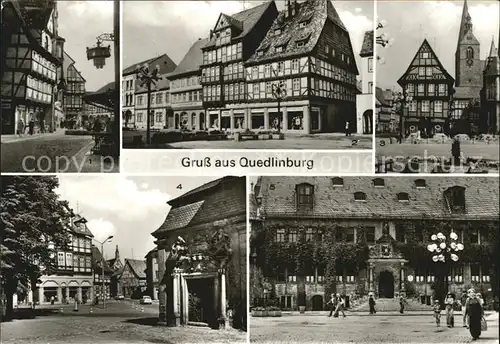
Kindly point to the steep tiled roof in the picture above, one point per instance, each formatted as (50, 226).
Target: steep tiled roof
(137, 266)
(382, 96)
(244, 20)
(218, 199)
(463, 30)
(97, 259)
(36, 14)
(180, 217)
(191, 61)
(481, 198)
(80, 226)
(312, 12)
(166, 67)
(367, 47)
(162, 84)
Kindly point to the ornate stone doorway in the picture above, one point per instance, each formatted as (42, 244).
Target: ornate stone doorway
(317, 303)
(202, 307)
(386, 285)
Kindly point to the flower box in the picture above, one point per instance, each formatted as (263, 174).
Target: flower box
(274, 313)
(259, 313)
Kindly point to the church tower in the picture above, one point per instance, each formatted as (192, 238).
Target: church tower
(468, 65)
(117, 254)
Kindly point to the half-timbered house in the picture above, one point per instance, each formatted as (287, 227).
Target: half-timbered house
(133, 278)
(31, 54)
(232, 41)
(73, 95)
(431, 88)
(307, 50)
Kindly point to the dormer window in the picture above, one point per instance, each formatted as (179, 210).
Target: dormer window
(338, 182)
(260, 53)
(403, 197)
(455, 197)
(277, 32)
(303, 24)
(420, 184)
(360, 196)
(278, 49)
(305, 193)
(378, 183)
(300, 44)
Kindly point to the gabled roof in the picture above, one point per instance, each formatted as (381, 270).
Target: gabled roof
(162, 84)
(97, 260)
(367, 47)
(77, 72)
(220, 198)
(315, 14)
(167, 66)
(428, 48)
(79, 226)
(244, 20)
(229, 22)
(481, 198)
(138, 267)
(191, 61)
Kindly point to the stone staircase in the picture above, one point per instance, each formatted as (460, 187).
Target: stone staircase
(390, 305)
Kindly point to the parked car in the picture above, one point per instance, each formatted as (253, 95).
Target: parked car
(119, 297)
(146, 300)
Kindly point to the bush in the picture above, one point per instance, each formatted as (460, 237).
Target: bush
(166, 137)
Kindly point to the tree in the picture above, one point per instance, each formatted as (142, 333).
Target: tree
(32, 219)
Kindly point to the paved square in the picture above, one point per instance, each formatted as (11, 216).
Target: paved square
(363, 328)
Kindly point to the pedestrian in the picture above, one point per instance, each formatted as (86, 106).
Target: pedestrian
(31, 124)
(464, 299)
(20, 127)
(475, 312)
(347, 129)
(402, 303)
(340, 306)
(437, 312)
(332, 302)
(449, 302)
(466, 308)
(52, 300)
(371, 303)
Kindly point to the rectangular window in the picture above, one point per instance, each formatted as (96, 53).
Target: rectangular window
(370, 65)
(60, 258)
(438, 106)
(295, 65)
(292, 278)
(425, 106)
(475, 273)
(421, 71)
(370, 87)
(280, 235)
(292, 235)
(349, 235)
(400, 233)
(296, 84)
(309, 234)
(370, 235)
(442, 89)
(428, 71)
(430, 89)
(413, 106)
(474, 236)
(305, 196)
(421, 88)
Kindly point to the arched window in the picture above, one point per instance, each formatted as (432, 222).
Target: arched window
(470, 53)
(337, 181)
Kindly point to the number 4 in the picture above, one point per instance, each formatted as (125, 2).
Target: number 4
(179, 186)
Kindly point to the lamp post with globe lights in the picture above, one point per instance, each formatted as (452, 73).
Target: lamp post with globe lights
(149, 79)
(445, 251)
(383, 39)
(401, 100)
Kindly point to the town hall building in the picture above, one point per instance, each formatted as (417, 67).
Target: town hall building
(312, 236)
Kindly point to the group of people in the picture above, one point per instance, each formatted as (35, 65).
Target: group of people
(22, 127)
(338, 305)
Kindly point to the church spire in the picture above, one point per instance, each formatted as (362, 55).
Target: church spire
(493, 50)
(465, 23)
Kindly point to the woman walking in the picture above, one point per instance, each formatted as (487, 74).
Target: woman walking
(31, 125)
(449, 301)
(20, 127)
(475, 312)
(402, 303)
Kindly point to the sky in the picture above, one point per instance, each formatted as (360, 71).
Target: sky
(152, 28)
(129, 208)
(408, 23)
(80, 22)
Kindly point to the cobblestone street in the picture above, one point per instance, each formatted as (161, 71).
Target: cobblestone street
(48, 153)
(363, 328)
(120, 322)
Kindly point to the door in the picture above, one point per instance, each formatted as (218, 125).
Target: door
(317, 303)
(386, 285)
(201, 305)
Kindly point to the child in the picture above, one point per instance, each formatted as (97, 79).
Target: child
(437, 312)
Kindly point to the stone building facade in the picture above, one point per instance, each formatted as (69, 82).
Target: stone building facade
(207, 283)
(374, 221)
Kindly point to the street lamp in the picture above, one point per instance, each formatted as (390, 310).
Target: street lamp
(148, 78)
(403, 99)
(445, 249)
(279, 93)
(102, 268)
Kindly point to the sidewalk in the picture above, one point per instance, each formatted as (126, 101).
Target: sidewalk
(489, 315)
